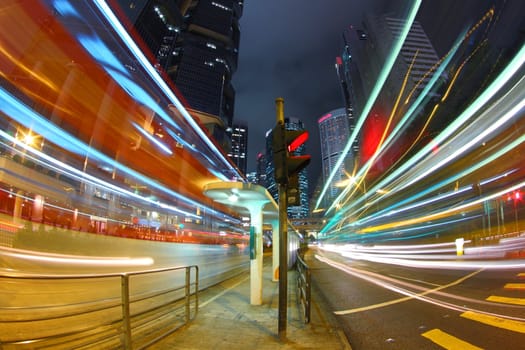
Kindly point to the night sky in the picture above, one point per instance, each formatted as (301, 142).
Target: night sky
(288, 50)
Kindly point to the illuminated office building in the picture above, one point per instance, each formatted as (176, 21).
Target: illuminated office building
(417, 50)
(364, 57)
(196, 44)
(261, 169)
(239, 146)
(369, 51)
(252, 177)
(334, 131)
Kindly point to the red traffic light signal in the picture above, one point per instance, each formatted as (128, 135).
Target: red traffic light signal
(298, 139)
(294, 140)
(285, 143)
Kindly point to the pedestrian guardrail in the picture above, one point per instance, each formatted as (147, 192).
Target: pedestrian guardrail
(304, 287)
(129, 310)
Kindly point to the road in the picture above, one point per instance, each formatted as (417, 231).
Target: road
(383, 306)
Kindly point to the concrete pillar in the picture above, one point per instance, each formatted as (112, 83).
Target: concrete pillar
(275, 249)
(256, 265)
(37, 214)
(17, 210)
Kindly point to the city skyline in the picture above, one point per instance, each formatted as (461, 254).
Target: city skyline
(293, 62)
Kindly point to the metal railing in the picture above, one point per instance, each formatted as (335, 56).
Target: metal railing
(130, 310)
(304, 287)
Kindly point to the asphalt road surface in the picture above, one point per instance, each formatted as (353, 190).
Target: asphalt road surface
(381, 306)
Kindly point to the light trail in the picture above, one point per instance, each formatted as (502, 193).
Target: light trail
(407, 117)
(400, 287)
(68, 259)
(81, 175)
(443, 213)
(387, 67)
(150, 137)
(139, 55)
(492, 125)
(391, 211)
(492, 119)
(472, 258)
(442, 64)
(366, 168)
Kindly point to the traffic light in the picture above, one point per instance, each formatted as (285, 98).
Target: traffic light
(293, 192)
(294, 140)
(285, 144)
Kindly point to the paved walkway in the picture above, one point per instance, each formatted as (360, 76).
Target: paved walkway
(227, 321)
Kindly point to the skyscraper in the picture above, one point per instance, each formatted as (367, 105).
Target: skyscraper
(294, 212)
(196, 44)
(410, 73)
(417, 51)
(417, 59)
(261, 169)
(334, 131)
(239, 148)
(252, 177)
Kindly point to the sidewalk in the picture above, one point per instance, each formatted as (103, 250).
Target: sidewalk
(227, 321)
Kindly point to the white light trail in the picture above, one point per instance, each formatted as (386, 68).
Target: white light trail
(139, 55)
(507, 107)
(387, 67)
(74, 259)
(395, 286)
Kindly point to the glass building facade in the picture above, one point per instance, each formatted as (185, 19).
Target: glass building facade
(239, 149)
(334, 131)
(195, 43)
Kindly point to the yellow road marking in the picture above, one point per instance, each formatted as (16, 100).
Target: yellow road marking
(506, 300)
(511, 325)
(448, 341)
(520, 286)
(521, 275)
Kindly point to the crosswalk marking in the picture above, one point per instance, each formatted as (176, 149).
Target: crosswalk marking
(512, 325)
(506, 300)
(448, 341)
(520, 286)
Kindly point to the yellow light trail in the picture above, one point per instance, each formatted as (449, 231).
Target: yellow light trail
(375, 93)
(377, 152)
(441, 214)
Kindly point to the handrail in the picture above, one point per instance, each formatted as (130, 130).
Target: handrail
(25, 275)
(117, 329)
(304, 286)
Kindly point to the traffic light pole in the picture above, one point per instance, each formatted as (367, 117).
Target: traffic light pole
(283, 240)
(287, 165)
(283, 262)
